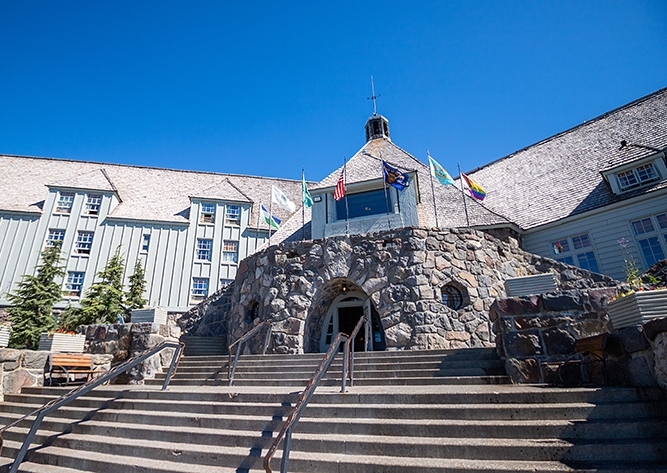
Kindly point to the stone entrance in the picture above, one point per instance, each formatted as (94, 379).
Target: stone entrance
(343, 315)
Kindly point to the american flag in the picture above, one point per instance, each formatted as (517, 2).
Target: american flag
(339, 192)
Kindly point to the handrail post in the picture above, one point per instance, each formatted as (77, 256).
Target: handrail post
(236, 358)
(172, 366)
(346, 360)
(267, 339)
(27, 442)
(286, 450)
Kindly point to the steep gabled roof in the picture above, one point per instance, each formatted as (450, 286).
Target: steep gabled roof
(224, 190)
(561, 176)
(147, 193)
(96, 179)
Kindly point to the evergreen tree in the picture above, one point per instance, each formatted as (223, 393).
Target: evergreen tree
(103, 299)
(134, 298)
(32, 303)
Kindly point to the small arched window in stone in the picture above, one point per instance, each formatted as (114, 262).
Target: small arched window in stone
(252, 312)
(452, 297)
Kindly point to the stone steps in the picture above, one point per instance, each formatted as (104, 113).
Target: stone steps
(460, 424)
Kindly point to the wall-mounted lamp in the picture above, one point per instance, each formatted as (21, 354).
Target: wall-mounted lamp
(344, 289)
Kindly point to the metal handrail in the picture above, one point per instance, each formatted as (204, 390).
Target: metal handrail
(231, 365)
(301, 404)
(66, 398)
(349, 346)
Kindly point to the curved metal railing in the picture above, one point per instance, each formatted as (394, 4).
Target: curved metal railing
(231, 365)
(65, 399)
(309, 390)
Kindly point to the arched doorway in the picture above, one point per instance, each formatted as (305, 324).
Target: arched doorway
(343, 315)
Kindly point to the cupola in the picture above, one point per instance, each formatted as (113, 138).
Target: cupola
(377, 126)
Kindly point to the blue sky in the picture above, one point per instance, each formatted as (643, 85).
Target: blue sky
(264, 88)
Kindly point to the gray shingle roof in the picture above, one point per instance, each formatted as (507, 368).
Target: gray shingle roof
(147, 193)
(366, 165)
(560, 176)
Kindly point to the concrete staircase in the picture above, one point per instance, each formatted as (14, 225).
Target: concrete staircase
(441, 411)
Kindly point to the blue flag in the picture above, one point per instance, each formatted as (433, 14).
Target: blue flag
(394, 177)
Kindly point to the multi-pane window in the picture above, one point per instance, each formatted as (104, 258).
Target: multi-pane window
(651, 235)
(199, 287)
(637, 176)
(362, 204)
(55, 235)
(230, 251)
(93, 203)
(233, 215)
(84, 242)
(207, 213)
(65, 202)
(74, 284)
(204, 248)
(145, 243)
(577, 251)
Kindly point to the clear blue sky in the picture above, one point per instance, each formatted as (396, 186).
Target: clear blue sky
(264, 88)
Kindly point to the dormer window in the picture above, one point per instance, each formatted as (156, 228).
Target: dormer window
(65, 202)
(638, 176)
(93, 202)
(207, 213)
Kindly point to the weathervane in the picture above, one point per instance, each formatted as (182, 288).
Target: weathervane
(373, 97)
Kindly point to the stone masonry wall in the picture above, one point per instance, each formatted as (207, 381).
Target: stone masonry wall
(122, 341)
(536, 335)
(403, 273)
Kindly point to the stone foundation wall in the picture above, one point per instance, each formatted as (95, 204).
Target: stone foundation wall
(122, 341)
(536, 335)
(403, 272)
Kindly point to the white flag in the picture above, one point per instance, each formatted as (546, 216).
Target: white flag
(279, 198)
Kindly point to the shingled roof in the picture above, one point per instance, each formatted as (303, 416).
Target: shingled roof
(561, 176)
(146, 193)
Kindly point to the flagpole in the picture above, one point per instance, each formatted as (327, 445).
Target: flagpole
(347, 209)
(303, 207)
(430, 169)
(258, 222)
(270, 218)
(463, 195)
(387, 201)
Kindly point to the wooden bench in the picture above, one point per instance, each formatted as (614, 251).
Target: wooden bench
(70, 365)
(595, 347)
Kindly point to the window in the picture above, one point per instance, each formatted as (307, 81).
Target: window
(233, 215)
(93, 202)
(84, 242)
(230, 251)
(362, 204)
(225, 282)
(204, 249)
(452, 297)
(577, 251)
(651, 235)
(145, 243)
(638, 176)
(207, 213)
(55, 235)
(199, 287)
(74, 284)
(65, 202)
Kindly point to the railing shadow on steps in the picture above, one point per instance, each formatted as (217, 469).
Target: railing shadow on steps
(67, 398)
(313, 383)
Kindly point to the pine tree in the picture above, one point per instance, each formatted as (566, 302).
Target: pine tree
(32, 303)
(134, 298)
(103, 300)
